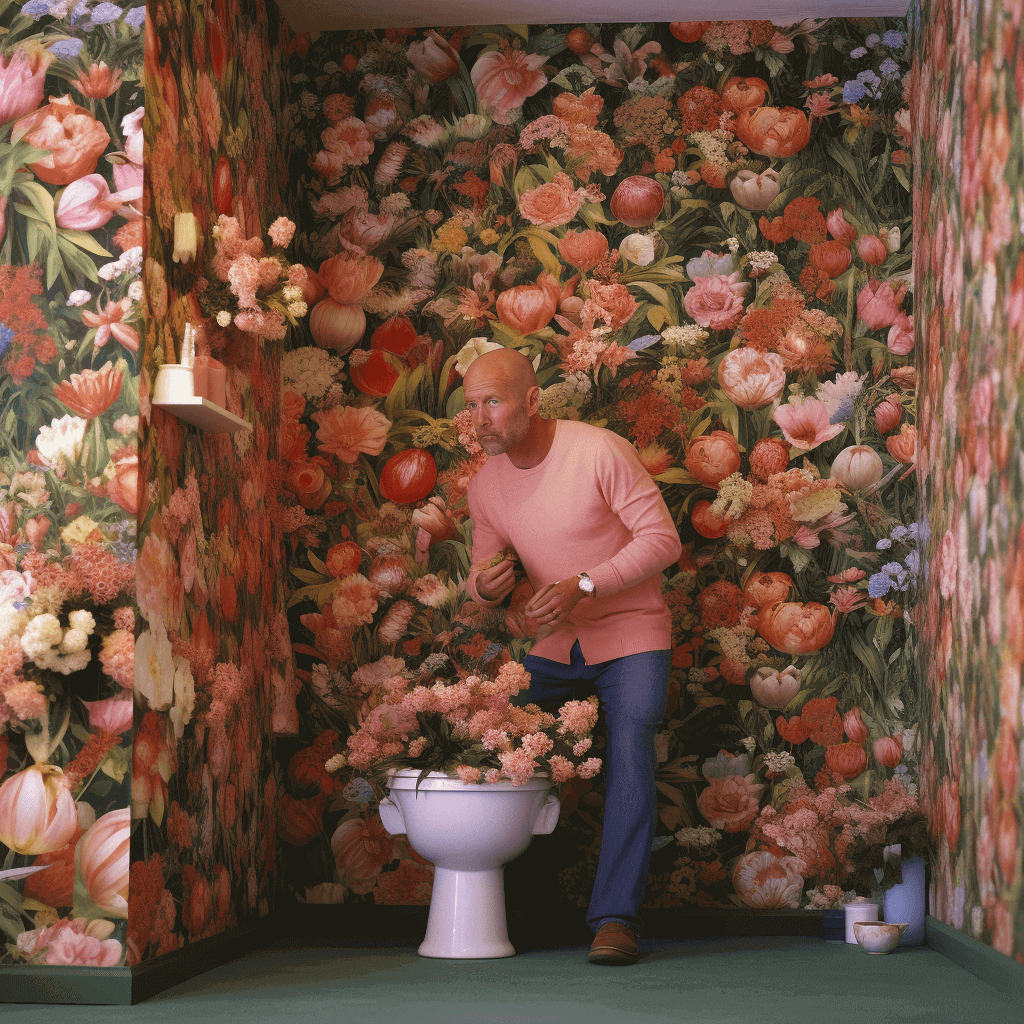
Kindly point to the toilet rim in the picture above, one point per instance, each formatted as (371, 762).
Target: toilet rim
(405, 778)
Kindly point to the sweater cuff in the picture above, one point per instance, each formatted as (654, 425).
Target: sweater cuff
(606, 583)
(474, 594)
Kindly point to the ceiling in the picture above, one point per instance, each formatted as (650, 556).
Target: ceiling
(323, 15)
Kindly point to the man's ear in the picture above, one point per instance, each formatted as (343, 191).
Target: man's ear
(533, 400)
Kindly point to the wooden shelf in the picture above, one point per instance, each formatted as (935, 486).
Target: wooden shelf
(206, 415)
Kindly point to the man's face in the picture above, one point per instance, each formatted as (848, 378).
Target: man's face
(499, 410)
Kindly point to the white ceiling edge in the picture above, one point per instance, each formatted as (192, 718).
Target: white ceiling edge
(328, 15)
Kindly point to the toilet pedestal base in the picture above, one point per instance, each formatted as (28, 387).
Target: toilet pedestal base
(467, 916)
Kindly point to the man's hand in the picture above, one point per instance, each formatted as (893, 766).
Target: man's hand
(551, 605)
(496, 582)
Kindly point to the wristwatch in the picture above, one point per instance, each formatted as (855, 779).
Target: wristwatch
(586, 583)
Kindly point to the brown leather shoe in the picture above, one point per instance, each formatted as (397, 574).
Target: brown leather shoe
(614, 945)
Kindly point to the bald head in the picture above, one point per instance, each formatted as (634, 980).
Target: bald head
(502, 396)
(507, 365)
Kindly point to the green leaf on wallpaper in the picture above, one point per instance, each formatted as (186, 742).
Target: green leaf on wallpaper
(655, 291)
(855, 173)
(307, 576)
(33, 238)
(115, 764)
(83, 240)
(869, 658)
(575, 77)
(657, 317)
(549, 261)
(40, 199)
(676, 475)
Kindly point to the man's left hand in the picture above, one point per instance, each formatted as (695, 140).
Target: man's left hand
(551, 605)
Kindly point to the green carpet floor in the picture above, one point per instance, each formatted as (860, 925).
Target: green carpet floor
(722, 980)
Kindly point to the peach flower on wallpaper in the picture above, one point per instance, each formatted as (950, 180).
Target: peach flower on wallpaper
(716, 301)
(767, 882)
(73, 138)
(361, 847)
(505, 78)
(347, 431)
(159, 590)
(731, 802)
(808, 424)
(554, 203)
(751, 379)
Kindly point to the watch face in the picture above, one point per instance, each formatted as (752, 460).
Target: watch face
(586, 584)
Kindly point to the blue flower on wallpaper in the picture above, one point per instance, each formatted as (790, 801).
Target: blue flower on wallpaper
(889, 69)
(106, 13)
(893, 39)
(135, 17)
(359, 791)
(6, 337)
(67, 47)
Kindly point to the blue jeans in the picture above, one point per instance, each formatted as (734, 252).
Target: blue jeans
(632, 692)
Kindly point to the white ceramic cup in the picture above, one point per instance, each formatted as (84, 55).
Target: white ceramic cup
(173, 382)
(860, 909)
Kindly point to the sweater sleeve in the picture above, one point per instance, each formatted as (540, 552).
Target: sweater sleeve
(636, 499)
(487, 542)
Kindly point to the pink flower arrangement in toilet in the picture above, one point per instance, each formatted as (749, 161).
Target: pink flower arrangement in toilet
(257, 292)
(471, 731)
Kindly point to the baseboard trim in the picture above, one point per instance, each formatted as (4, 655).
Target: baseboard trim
(997, 969)
(362, 923)
(123, 986)
(81, 986)
(153, 976)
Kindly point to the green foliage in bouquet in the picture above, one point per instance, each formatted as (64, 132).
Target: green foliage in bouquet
(905, 837)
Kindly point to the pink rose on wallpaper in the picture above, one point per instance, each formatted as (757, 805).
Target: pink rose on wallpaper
(22, 77)
(615, 303)
(197, 904)
(767, 882)
(74, 942)
(159, 590)
(878, 304)
(123, 487)
(346, 144)
(408, 885)
(553, 203)
(361, 848)
(505, 78)
(717, 301)
(731, 802)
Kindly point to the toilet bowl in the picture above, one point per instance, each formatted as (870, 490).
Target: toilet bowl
(468, 832)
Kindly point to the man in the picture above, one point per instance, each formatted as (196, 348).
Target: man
(593, 534)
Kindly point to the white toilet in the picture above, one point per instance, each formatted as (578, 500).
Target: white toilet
(468, 832)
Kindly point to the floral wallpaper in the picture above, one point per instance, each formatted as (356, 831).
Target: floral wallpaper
(71, 155)
(212, 645)
(700, 233)
(968, 92)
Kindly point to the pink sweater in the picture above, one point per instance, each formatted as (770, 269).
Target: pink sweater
(589, 506)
